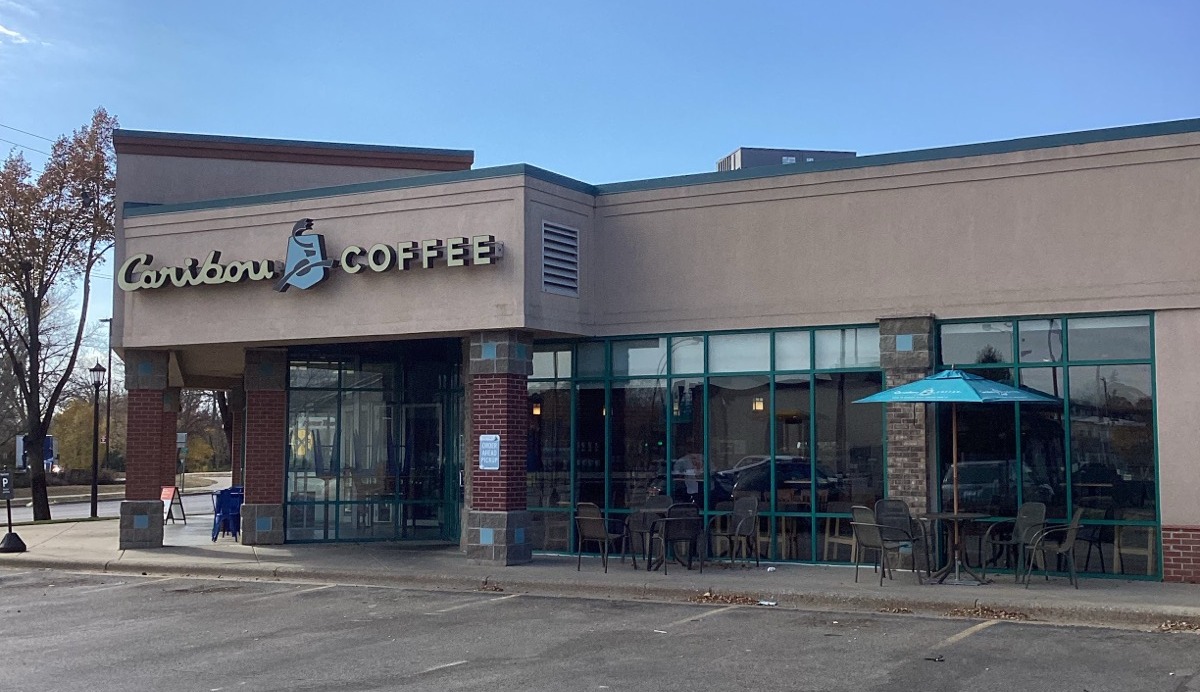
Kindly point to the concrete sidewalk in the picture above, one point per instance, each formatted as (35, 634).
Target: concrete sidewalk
(92, 546)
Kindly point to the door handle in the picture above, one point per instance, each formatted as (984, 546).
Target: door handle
(460, 478)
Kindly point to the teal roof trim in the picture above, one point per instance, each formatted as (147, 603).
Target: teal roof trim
(134, 209)
(1008, 146)
(921, 155)
(184, 138)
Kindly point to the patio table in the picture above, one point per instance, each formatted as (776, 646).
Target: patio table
(956, 559)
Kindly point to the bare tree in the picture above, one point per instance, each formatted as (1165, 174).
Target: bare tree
(54, 228)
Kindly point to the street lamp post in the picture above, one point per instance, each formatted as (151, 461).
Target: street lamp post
(108, 399)
(97, 372)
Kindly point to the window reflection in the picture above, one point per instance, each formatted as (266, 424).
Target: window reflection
(1043, 463)
(548, 452)
(738, 438)
(639, 437)
(987, 453)
(1040, 341)
(849, 441)
(975, 342)
(1109, 338)
(1112, 439)
(687, 428)
(739, 352)
(590, 445)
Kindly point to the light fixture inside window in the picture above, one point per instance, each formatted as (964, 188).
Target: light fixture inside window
(758, 405)
(537, 409)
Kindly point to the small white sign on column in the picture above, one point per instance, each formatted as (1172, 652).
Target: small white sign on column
(489, 452)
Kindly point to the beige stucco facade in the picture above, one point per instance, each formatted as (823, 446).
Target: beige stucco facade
(1088, 227)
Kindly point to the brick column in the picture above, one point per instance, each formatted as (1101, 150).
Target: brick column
(237, 410)
(906, 354)
(151, 409)
(497, 517)
(1181, 554)
(265, 433)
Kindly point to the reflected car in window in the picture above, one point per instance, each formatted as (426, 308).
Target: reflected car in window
(752, 474)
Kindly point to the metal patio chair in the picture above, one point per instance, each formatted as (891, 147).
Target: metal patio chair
(895, 515)
(682, 527)
(1058, 541)
(591, 527)
(739, 528)
(871, 535)
(1030, 519)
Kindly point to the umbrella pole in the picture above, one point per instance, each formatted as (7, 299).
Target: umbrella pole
(954, 475)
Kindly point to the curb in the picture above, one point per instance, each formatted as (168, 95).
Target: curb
(1090, 614)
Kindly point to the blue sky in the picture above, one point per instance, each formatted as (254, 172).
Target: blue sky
(599, 91)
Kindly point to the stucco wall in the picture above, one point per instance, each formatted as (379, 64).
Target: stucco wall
(1106, 226)
(1177, 389)
(177, 179)
(362, 306)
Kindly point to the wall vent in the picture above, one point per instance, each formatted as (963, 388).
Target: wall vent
(560, 259)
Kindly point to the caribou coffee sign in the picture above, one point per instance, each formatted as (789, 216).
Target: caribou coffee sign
(307, 263)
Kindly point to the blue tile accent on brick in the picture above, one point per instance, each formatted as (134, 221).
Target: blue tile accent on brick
(519, 352)
(266, 368)
(489, 351)
(487, 536)
(262, 524)
(146, 368)
(904, 342)
(519, 536)
(141, 521)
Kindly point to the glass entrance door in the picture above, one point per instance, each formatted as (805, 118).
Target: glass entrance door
(374, 440)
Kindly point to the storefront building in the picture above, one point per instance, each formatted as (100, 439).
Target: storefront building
(419, 350)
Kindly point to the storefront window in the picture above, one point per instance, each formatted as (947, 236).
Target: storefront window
(551, 362)
(975, 342)
(548, 464)
(739, 352)
(739, 424)
(1040, 341)
(1093, 450)
(591, 359)
(793, 351)
(687, 431)
(1109, 338)
(687, 355)
(1112, 439)
(638, 465)
(639, 357)
(849, 444)
(591, 446)
(847, 348)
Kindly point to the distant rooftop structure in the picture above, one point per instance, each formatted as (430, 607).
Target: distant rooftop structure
(752, 157)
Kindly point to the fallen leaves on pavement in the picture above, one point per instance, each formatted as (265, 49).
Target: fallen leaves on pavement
(987, 612)
(1179, 626)
(711, 596)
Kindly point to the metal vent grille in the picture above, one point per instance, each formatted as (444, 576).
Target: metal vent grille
(560, 260)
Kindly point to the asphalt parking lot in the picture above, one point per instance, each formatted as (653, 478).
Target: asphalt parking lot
(74, 631)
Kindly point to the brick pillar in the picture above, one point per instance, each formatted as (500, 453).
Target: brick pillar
(906, 354)
(237, 410)
(497, 517)
(265, 433)
(1181, 554)
(150, 410)
(169, 468)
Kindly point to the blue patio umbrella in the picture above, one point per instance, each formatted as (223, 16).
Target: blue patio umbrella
(953, 387)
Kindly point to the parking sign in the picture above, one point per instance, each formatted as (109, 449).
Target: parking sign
(6, 486)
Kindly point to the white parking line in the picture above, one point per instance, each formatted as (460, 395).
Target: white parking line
(693, 618)
(473, 603)
(965, 633)
(277, 594)
(442, 667)
(126, 584)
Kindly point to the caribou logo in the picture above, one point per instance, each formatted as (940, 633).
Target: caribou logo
(306, 264)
